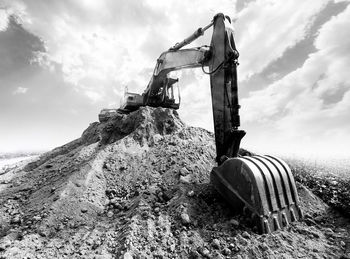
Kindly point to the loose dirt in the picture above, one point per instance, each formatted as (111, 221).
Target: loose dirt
(137, 186)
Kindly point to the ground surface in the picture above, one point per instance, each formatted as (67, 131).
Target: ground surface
(138, 186)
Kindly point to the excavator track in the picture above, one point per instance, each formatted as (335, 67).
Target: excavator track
(264, 185)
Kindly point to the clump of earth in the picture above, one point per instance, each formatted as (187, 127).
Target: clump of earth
(137, 186)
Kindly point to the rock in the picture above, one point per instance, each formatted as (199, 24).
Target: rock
(236, 248)
(110, 214)
(263, 247)
(4, 243)
(234, 222)
(315, 234)
(157, 138)
(246, 235)
(217, 255)
(172, 247)
(145, 214)
(308, 231)
(195, 255)
(127, 255)
(84, 210)
(184, 171)
(16, 219)
(226, 251)
(185, 179)
(190, 193)
(310, 222)
(216, 243)
(243, 241)
(37, 218)
(113, 201)
(44, 232)
(205, 252)
(185, 218)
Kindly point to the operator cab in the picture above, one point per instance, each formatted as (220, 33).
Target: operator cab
(132, 101)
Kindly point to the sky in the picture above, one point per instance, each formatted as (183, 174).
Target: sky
(62, 61)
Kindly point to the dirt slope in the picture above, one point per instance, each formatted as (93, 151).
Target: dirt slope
(137, 186)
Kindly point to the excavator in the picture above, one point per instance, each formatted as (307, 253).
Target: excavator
(262, 186)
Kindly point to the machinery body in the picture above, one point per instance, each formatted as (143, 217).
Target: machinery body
(262, 185)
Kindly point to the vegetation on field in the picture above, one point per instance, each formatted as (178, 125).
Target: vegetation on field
(330, 180)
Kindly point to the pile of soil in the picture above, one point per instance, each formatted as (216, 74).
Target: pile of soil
(137, 186)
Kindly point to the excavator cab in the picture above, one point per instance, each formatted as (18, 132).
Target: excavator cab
(171, 97)
(165, 93)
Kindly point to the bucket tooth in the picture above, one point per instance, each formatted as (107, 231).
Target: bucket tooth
(284, 219)
(266, 225)
(262, 184)
(292, 215)
(276, 223)
(301, 214)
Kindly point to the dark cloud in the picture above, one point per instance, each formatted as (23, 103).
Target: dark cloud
(17, 48)
(105, 13)
(241, 4)
(51, 111)
(334, 95)
(293, 58)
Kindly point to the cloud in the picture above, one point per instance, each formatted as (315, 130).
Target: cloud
(76, 57)
(3, 19)
(20, 90)
(112, 40)
(293, 57)
(310, 105)
(18, 48)
(196, 107)
(266, 29)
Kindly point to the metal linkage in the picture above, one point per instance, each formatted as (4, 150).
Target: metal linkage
(199, 32)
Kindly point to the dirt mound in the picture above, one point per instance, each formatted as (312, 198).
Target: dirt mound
(137, 186)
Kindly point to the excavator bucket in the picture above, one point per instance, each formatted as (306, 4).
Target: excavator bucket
(262, 184)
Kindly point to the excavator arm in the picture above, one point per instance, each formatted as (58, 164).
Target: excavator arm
(224, 91)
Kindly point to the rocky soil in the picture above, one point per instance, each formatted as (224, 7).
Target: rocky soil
(137, 186)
